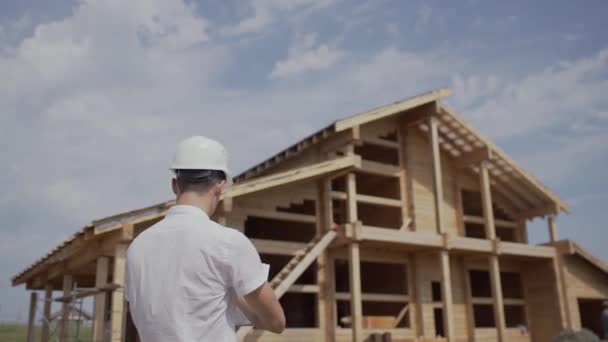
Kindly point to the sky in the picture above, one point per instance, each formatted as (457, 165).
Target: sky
(95, 95)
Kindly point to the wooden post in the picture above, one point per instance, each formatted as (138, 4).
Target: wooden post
(101, 279)
(486, 201)
(437, 181)
(562, 291)
(48, 302)
(65, 309)
(552, 228)
(31, 321)
(326, 303)
(417, 288)
(499, 312)
(444, 258)
(118, 295)
(488, 214)
(354, 265)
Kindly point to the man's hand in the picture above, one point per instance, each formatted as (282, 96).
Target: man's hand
(263, 309)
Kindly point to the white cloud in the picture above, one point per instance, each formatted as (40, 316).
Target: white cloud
(305, 56)
(554, 96)
(265, 12)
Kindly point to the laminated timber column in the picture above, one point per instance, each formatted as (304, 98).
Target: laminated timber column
(444, 258)
(101, 279)
(31, 321)
(488, 214)
(326, 302)
(65, 308)
(46, 312)
(118, 295)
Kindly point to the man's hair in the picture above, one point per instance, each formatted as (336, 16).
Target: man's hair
(198, 180)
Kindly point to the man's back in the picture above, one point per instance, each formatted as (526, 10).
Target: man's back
(183, 276)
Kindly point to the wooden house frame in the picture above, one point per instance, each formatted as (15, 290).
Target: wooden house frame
(402, 220)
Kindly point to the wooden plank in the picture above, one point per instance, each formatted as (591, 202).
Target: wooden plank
(101, 279)
(437, 181)
(303, 264)
(117, 318)
(293, 176)
(65, 309)
(446, 295)
(391, 109)
(553, 237)
(46, 313)
(499, 313)
(31, 321)
(473, 158)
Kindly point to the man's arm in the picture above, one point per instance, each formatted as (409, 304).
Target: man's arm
(263, 309)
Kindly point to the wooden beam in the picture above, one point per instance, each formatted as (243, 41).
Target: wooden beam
(473, 158)
(561, 287)
(551, 209)
(380, 142)
(279, 215)
(502, 155)
(117, 318)
(391, 109)
(497, 223)
(486, 201)
(326, 303)
(46, 313)
(375, 297)
(354, 262)
(65, 309)
(31, 321)
(499, 312)
(264, 246)
(390, 202)
(446, 295)
(293, 176)
(553, 237)
(437, 181)
(101, 279)
(381, 169)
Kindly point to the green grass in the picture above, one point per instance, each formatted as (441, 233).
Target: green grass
(18, 333)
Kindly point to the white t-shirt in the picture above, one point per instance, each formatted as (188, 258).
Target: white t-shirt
(183, 276)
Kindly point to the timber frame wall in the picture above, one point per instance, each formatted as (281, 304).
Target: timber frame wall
(431, 222)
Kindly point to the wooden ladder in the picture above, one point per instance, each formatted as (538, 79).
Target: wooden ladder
(294, 269)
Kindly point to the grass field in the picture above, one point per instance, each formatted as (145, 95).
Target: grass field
(17, 333)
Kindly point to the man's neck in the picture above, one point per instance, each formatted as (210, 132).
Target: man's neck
(194, 200)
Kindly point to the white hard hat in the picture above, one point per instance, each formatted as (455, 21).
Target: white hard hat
(201, 153)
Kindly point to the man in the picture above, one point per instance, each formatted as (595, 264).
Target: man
(190, 279)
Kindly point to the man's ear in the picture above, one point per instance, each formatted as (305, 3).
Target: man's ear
(219, 188)
(174, 186)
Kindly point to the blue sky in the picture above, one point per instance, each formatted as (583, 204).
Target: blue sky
(94, 95)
